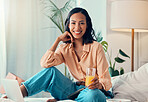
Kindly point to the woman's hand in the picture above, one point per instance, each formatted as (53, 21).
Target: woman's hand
(66, 36)
(96, 84)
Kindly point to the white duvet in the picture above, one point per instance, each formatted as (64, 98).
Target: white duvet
(132, 85)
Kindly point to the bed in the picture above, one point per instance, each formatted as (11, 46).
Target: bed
(132, 85)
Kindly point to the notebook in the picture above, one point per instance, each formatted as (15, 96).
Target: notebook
(12, 90)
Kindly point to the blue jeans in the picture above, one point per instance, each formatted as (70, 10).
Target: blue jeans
(53, 81)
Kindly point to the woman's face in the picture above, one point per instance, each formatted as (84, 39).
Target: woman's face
(77, 25)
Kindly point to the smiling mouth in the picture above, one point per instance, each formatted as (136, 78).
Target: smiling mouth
(77, 33)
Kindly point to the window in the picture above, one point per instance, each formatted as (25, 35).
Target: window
(2, 41)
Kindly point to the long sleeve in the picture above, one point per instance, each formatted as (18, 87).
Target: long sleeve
(51, 58)
(102, 68)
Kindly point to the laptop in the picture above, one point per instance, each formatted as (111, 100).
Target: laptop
(14, 93)
(12, 90)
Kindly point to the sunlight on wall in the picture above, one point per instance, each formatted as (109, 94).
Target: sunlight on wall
(2, 41)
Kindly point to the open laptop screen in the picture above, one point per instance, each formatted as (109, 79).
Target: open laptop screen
(12, 90)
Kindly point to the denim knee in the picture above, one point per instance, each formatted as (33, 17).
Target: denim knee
(39, 81)
(89, 95)
(95, 95)
(48, 70)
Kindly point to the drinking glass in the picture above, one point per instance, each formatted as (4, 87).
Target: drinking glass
(90, 75)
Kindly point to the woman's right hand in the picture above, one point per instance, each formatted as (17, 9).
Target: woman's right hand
(66, 36)
(80, 83)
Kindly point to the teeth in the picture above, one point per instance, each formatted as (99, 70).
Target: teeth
(77, 32)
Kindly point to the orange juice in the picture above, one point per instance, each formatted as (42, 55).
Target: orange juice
(89, 80)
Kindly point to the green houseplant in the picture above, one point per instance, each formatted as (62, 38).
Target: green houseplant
(117, 59)
(113, 71)
(57, 16)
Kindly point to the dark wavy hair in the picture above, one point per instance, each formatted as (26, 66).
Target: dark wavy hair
(89, 35)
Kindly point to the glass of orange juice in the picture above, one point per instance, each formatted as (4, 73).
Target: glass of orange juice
(90, 75)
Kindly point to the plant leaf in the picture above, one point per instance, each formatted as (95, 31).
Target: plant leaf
(56, 23)
(109, 57)
(121, 71)
(119, 60)
(111, 70)
(55, 15)
(123, 53)
(115, 73)
(67, 6)
(105, 45)
(114, 64)
(99, 37)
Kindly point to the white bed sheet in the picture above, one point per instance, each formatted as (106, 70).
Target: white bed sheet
(34, 100)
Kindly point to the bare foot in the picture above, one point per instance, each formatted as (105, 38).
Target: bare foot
(4, 97)
(51, 100)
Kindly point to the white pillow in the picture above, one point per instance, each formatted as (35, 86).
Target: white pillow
(132, 85)
(140, 75)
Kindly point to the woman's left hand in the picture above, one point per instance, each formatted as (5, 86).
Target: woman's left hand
(96, 84)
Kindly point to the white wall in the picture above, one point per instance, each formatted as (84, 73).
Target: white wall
(142, 48)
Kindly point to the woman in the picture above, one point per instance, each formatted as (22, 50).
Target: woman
(79, 51)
